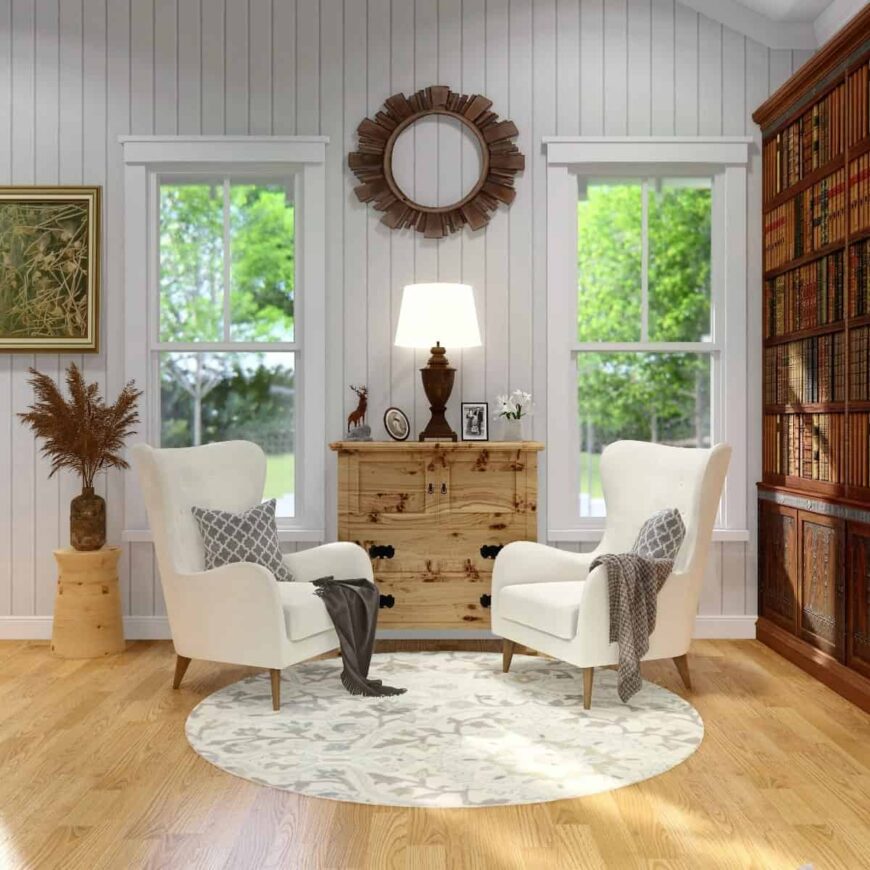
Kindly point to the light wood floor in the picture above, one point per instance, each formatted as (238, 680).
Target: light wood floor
(95, 772)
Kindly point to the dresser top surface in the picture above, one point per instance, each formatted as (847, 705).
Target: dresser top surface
(417, 446)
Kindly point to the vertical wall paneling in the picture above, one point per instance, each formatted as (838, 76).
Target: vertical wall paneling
(591, 90)
(473, 246)
(189, 109)
(615, 71)
(521, 216)
(237, 93)
(284, 68)
(212, 66)
(498, 231)
(331, 120)
(662, 68)
(76, 75)
(260, 50)
(685, 71)
(640, 82)
(379, 333)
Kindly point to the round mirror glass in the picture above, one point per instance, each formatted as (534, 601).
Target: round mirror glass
(444, 144)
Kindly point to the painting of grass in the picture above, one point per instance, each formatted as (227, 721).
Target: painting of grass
(48, 268)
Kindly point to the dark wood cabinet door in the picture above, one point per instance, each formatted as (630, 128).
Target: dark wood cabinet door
(858, 602)
(777, 564)
(823, 583)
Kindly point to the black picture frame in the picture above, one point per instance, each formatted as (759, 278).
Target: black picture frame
(396, 422)
(474, 421)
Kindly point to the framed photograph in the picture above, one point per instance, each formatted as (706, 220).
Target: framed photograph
(50, 269)
(475, 421)
(396, 424)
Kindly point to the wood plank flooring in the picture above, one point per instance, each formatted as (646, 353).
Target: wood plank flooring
(95, 772)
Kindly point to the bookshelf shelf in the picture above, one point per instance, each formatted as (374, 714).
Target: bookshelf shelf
(814, 498)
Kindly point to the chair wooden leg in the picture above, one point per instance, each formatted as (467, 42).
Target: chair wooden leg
(275, 674)
(682, 663)
(507, 653)
(588, 675)
(181, 663)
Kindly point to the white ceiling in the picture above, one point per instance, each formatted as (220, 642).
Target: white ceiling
(796, 24)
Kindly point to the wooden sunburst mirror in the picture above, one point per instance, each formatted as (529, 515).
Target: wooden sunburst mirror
(373, 162)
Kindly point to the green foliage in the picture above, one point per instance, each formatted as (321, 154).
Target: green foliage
(649, 396)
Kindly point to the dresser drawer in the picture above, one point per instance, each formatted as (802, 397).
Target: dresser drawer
(398, 550)
(433, 601)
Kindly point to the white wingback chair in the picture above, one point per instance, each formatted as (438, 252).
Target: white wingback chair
(237, 613)
(547, 599)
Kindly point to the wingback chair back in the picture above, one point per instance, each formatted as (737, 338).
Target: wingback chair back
(228, 476)
(640, 478)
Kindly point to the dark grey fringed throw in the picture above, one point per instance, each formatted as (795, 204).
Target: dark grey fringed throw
(633, 583)
(353, 607)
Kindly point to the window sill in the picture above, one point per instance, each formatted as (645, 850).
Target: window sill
(595, 534)
(313, 536)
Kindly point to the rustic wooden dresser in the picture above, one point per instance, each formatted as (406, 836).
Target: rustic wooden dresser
(433, 516)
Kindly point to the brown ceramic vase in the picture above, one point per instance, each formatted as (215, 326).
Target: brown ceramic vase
(87, 520)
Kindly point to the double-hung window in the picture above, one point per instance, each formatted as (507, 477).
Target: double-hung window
(225, 305)
(646, 315)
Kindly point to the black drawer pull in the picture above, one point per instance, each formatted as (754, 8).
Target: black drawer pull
(490, 551)
(386, 601)
(431, 488)
(485, 600)
(443, 489)
(382, 551)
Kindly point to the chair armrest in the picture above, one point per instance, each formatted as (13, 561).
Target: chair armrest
(229, 614)
(343, 560)
(528, 562)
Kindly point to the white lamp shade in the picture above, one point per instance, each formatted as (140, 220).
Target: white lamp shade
(433, 313)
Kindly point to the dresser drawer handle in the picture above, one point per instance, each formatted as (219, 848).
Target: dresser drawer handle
(382, 551)
(485, 600)
(490, 551)
(386, 601)
(443, 489)
(431, 488)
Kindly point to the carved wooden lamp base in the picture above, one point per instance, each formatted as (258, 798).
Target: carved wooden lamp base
(438, 378)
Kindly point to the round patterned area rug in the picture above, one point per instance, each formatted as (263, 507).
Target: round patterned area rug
(463, 735)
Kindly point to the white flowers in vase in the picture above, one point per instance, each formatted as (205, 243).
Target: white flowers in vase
(515, 406)
(513, 410)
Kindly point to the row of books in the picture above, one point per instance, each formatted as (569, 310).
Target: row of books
(805, 372)
(806, 297)
(858, 449)
(811, 219)
(859, 278)
(858, 121)
(813, 140)
(804, 445)
(859, 356)
(859, 193)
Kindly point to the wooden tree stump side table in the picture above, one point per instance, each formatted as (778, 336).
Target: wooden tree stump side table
(87, 608)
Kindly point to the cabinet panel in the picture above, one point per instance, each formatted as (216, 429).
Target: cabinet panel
(433, 600)
(777, 563)
(384, 484)
(484, 482)
(858, 577)
(822, 587)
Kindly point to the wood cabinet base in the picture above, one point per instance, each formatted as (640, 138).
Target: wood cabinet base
(844, 681)
(87, 608)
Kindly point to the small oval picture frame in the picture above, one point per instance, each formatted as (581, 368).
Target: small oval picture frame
(397, 425)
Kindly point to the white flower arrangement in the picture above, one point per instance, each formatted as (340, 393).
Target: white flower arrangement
(515, 406)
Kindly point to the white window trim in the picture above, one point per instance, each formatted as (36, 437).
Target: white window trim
(145, 158)
(723, 158)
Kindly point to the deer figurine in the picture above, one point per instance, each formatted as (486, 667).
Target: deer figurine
(358, 417)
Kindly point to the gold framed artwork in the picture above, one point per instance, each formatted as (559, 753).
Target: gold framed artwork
(50, 269)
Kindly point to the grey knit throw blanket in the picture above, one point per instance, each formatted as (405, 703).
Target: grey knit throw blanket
(633, 584)
(353, 607)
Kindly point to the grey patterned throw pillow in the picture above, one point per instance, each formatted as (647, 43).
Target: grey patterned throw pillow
(661, 536)
(251, 536)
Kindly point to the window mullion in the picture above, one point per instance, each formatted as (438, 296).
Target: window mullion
(227, 259)
(644, 260)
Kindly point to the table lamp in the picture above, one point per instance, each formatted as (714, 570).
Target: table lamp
(437, 313)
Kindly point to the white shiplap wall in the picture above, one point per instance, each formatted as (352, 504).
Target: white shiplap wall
(75, 74)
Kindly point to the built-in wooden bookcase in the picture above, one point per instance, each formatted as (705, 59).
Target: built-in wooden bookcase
(814, 573)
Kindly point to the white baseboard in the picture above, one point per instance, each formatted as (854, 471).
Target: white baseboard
(157, 628)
